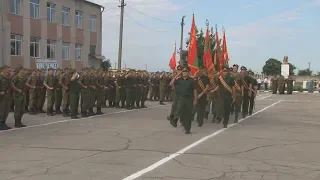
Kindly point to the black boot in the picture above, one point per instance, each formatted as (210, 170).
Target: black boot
(65, 113)
(50, 112)
(58, 110)
(3, 126)
(99, 111)
(91, 113)
(18, 123)
(32, 111)
(143, 105)
(236, 118)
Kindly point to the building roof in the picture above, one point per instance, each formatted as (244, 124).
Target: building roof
(90, 1)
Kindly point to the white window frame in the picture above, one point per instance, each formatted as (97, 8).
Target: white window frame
(16, 8)
(93, 23)
(65, 51)
(78, 19)
(16, 40)
(36, 7)
(51, 12)
(65, 16)
(35, 42)
(78, 51)
(51, 47)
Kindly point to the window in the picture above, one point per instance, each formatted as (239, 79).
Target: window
(15, 7)
(78, 51)
(34, 47)
(78, 19)
(51, 49)
(51, 12)
(65, 16)
(65, 51)
(92, 50)
(16, 45)
(93, 23)
(34, 9)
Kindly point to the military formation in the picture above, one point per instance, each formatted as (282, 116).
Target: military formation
(279, 83)
(65, 90)
(224, 93)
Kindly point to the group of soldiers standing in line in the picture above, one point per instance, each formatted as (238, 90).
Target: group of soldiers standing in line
(25, 90)
(227, 92)
(279, 83)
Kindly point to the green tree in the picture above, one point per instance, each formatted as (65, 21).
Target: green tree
(305, 72)
(105, 64)
(273, 67)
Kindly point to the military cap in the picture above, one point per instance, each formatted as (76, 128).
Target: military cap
(235, 65)
(251, 72)
(225, 67)
(179, 67)
(50, 69)
(243, 68)
(186, 69)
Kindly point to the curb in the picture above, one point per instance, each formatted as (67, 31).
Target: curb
(295, 91)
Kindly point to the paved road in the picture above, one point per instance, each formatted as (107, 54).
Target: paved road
(280, 141)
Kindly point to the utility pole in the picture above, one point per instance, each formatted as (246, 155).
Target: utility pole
(122, 5)
(181, 38)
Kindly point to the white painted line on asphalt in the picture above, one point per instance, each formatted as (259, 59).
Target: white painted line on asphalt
(264, 97)
(182, 151)
(70, 120)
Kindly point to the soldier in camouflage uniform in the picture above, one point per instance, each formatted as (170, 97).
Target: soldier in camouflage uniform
(281, 84)
(85, 95)
(238, 83)
(50, 84)
(19, 86)
(42, 91)
(92, 91)
(5, 97)
(31, 84)
(274, 82)
(58, 91)
(247, 91)
(64, 81)
(100, 91)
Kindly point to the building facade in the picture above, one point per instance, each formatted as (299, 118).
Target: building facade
(55, 33)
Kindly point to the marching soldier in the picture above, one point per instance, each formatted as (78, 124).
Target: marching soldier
(247, 93)
(138, 89)
(117, 83)
(227, 92)
(254, 90)
(144, 84)
(238, 83)
(187, 97)
(50, 84)
(5, 97)
(290, 85)
(174, 97)
(162, 87)
(41, 91)
(202, 88)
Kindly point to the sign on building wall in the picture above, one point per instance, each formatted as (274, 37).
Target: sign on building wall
(46, 64)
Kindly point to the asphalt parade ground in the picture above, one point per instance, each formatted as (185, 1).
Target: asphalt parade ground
(280, 141)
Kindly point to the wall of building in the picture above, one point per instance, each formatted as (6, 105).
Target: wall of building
(43, 29)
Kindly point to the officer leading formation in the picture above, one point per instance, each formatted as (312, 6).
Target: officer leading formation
(229, 92)
(65, 90)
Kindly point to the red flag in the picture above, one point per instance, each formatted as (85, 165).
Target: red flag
(172, 62)
(224, 48)
(193, 61)
(207, 55)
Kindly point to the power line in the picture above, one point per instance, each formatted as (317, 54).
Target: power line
(152, 16)
(150, 28)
